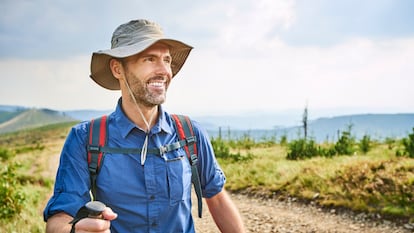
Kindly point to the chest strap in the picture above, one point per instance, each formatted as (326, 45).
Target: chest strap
(157, 151)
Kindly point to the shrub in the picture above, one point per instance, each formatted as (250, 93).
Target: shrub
(302, 149)
(345, 144)
(365, 144)
(283, 140)
(5, 154)
(327, 152)
(408, 144)
(246, 142)
(222, 150)
(11, 197)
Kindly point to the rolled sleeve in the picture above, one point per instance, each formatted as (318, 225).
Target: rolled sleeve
(211, 175)
(72, 182)
(63, 202)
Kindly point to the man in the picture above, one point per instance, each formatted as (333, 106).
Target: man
(146, 192)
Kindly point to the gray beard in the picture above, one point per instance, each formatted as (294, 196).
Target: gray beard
(143, 95)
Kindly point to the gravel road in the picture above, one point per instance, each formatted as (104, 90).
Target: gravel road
(289, 216)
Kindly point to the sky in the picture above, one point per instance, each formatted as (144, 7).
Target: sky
(249, 56)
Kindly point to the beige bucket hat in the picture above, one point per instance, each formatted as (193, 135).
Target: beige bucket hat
(129, 39)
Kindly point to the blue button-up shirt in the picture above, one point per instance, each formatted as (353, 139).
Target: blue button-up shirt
(155, 197)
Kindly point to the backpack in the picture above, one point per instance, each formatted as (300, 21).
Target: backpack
(97, 147)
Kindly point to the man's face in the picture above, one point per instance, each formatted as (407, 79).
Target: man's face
(149, 74)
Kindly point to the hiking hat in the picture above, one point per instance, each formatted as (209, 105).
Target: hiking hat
(129, 39)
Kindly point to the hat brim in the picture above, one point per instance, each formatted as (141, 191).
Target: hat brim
(101, 72)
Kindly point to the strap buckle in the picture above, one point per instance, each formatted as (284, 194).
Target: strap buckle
(162, 150)
(194, 159)
(191, 140)
(94, 149)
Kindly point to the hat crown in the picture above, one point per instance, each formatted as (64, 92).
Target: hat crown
(134, 32)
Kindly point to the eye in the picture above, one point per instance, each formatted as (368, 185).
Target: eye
(168, 60)
(149, 59)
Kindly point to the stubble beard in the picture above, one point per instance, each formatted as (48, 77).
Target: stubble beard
(143, 95)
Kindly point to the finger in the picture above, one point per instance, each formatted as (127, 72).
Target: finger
(108, 214)
(92, 225)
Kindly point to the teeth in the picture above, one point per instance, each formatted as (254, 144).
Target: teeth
(157, 84)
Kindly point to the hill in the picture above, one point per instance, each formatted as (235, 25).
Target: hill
(30, 118)
(84, 115)
(8, 112)
(377, 126)
(258, 125)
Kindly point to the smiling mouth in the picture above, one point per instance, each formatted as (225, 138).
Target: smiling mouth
(156, 84)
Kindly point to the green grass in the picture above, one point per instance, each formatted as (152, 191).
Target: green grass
(31, 218)
(32, 150)
(376, 182)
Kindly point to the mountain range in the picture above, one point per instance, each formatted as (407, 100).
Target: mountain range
(260, 125)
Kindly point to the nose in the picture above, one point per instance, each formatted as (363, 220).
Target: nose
(164, 68)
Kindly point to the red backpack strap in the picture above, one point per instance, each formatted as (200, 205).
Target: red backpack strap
(185, 132)
(96, 141)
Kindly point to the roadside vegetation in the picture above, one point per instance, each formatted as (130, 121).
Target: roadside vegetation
(375, 177)
(364, 176)
(26, 181)
(378, 182)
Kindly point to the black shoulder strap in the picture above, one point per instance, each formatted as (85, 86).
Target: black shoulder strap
(185, 132)
(97, 139)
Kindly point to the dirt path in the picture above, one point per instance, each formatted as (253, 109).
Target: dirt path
(291, 217)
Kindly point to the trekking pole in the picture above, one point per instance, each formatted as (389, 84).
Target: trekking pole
(95, 209)
(92, 209)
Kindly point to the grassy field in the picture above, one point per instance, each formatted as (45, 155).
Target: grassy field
(34, 160)
(378, 182)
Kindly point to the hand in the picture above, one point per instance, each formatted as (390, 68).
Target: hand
(96, 225)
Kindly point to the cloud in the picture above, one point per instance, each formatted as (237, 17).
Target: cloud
(58, 84)
(357, 73)
(248, 56)
(245, 28)
(326, 23)
(54, 29)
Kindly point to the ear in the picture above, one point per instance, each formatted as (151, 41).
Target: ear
(116, 68)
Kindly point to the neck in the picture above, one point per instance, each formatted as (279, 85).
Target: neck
(133, 113)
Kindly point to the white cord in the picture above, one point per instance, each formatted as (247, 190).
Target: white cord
(148, 124)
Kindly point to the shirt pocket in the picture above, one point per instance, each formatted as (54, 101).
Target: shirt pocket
(179, 177)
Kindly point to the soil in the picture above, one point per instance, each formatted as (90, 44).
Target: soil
(289, 216)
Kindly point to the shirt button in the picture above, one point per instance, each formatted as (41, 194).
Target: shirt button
(154, 224)
(152, 197)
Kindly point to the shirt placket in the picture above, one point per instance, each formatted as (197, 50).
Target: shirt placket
(151, 186)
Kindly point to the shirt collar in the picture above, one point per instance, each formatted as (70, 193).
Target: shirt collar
(164, 122)
(125, 125)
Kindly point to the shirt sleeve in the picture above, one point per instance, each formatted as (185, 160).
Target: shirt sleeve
(212, 177)
(72, 182)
